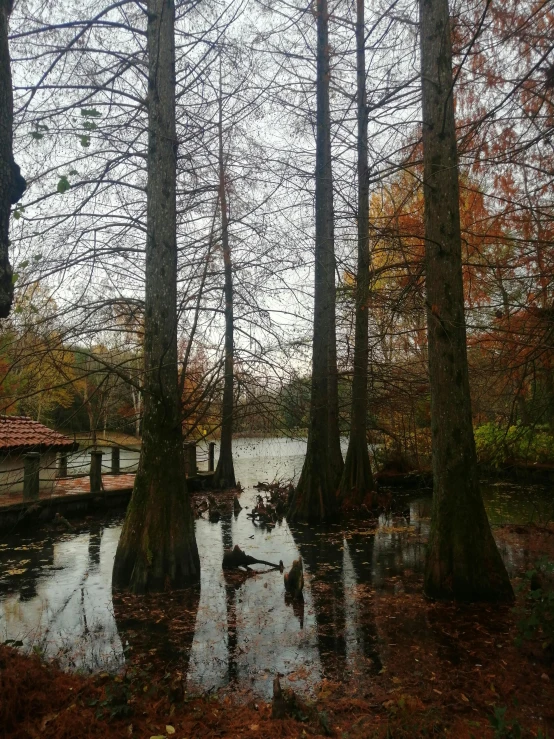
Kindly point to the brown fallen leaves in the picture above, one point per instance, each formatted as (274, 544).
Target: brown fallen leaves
(446, 669)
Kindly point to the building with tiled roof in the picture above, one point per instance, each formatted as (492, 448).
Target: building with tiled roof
(20, 435)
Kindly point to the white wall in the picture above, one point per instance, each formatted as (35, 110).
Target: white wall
(11, 473)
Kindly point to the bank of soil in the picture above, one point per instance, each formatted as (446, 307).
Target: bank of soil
(443, 670)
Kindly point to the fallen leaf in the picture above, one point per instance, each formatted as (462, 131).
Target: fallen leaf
(464, 698)
(46, 720)
(254, 727)
(169, 729)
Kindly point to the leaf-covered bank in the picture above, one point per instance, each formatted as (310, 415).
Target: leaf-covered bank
(444, 670)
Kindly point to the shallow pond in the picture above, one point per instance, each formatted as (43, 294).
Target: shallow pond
(55, 587)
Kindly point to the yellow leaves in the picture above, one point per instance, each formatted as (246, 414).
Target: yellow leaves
(169, 729)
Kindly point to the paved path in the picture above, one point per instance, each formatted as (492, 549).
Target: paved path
(74, 486)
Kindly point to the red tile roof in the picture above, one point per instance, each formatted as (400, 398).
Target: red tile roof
(23, 434)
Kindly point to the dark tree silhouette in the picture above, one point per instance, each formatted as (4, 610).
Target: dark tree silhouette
(157, 549)
(463, 561)
(314, 497)
(357, 479)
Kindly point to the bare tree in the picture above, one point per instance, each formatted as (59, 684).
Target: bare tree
(12, 185)
(224, 476)
(463, 561)
(157, 549)
(315, 497)
(357, 479)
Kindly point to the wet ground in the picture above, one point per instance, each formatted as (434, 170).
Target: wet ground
(55, 586)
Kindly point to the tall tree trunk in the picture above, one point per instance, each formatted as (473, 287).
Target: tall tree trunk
(6, 159)
(314, 498)
(224, 476)
(463, 561)
(336, 463)
(157, 549)
(357, 479)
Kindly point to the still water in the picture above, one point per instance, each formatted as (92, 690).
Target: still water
(55, 587)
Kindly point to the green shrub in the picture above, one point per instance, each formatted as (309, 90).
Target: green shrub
(496, 445)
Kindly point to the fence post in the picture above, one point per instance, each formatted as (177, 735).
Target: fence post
(62, 464)
(190, 459)
(211, 456)
(116, 468)
(31, 472)
(96, 471)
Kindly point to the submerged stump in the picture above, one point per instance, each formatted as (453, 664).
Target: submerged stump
(294, 580)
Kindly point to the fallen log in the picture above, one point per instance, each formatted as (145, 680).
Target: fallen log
(233, 558)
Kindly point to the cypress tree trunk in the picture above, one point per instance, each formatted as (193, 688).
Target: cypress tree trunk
(314, 498)
(463, 561)
(224, 476)
(6, 159)
(157, 549)
(336, 463)
(357, 479)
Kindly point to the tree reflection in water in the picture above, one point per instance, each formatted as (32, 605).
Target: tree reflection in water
(321, 552)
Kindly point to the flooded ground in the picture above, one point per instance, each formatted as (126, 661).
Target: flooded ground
(55, 586)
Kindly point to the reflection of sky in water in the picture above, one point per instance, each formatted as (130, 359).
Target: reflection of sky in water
(67, 610)
(55, 592)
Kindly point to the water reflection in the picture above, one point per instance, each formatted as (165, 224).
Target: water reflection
(322, 553)
(231, 588)
(158, 629)
(56, 599)
(361, 632)
(55, 591)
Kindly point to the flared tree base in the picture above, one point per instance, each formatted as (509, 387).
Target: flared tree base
(313, 499)
(356, 482)
(157, 550)
(463, 562)
(224, 475)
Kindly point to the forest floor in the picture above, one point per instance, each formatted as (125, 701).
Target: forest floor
(446, 670)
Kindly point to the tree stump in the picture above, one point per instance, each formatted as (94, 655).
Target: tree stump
(294, 580)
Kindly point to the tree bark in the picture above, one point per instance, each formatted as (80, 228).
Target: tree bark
(314, 497)
(224, 476)
(6, 160)
(463, 561)
(357, 479)
(157, 549)
(336, 462)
